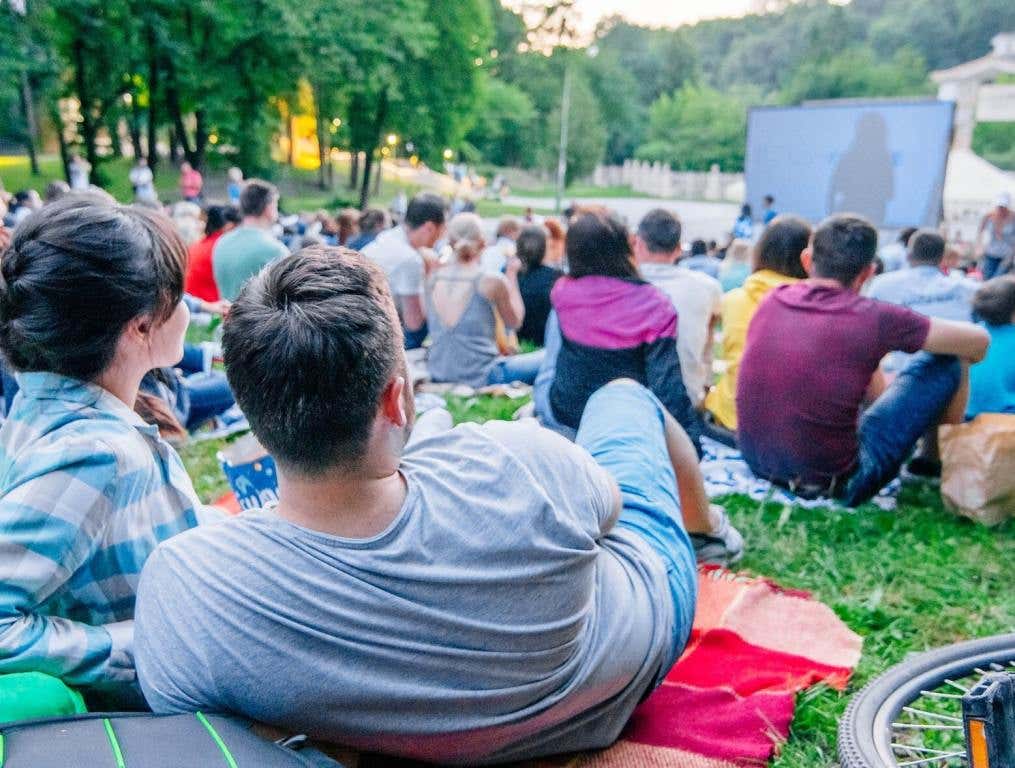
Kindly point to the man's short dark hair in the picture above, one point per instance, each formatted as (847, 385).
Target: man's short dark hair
(926, 247)
(256, 196)
(906, 233)
(768, 199)
(994, 303)
(660, 231)
(423, 208)
(844, 245)
(699, 248)
(781, 244)
(309, 346)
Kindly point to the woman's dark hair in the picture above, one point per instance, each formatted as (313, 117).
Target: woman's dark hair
(994, 303)
(779, 248)
(598, 244)
(76, 273)
(217, 216)
(531, 247)
(745, 211)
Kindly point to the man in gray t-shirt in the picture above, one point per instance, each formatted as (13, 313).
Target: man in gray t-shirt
(491, 593)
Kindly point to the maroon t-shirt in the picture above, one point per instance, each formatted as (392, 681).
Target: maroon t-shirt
(811, 352)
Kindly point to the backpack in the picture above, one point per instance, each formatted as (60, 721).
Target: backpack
(144, 740)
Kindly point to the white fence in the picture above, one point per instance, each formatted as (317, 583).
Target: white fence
(659, 180)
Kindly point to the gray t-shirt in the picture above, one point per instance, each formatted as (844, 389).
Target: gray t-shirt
(492, 620)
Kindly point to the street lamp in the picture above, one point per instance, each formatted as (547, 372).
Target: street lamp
(448, 154)
(392, 139)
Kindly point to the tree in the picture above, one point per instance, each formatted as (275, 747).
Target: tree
(696, 127)
(587, 137)
(505, 132)
(856, 73)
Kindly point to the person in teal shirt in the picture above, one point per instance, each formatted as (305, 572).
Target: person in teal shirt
(992, 381)
(242, 253)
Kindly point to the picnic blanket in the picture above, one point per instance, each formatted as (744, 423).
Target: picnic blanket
(725, 472)
(728, 702)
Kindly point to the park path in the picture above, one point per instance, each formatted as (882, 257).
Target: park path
(705, 220)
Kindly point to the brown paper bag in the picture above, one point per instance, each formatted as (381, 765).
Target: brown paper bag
(978, 467)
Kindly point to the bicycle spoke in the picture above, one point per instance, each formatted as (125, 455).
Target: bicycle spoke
(925, 750)
(925, 727)
(926, 760)
(915, 711)
(957, 686)
(939, 695)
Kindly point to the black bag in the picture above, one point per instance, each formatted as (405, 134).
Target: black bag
(144, 740)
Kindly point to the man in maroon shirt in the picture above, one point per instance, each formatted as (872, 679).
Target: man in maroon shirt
(811, 364)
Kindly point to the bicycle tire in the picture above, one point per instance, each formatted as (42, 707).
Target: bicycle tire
(865, 730)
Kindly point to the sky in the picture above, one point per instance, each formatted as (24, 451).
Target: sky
(659, 13)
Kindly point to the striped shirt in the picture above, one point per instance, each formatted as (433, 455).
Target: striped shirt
(87, 491)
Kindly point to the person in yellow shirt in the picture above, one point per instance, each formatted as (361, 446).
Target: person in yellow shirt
(776, 261)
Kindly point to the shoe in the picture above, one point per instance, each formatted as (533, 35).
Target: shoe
(921, 467)
(723, 546)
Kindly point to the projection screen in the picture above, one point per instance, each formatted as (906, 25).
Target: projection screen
(882, 159)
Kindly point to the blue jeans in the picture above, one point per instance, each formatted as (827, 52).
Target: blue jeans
(622, 428)
(521, 368)
(891, 427)
(209, 395)
(192, 360)
(414, 339)
(991, 267)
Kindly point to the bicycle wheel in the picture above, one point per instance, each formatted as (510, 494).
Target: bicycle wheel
(911, 715)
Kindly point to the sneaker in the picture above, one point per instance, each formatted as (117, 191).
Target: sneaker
(924, 468)
(723, 546)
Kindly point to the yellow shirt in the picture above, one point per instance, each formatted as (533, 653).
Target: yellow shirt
(738, 307)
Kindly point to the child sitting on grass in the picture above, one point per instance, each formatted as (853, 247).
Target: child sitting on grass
(992, 382)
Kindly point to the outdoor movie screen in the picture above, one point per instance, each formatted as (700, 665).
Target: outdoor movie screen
(884, 160)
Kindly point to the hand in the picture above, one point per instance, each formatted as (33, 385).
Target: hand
(431, 260)
(216, 307)
(513, 266)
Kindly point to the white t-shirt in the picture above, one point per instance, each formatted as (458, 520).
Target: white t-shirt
(697, 297)
(401, 263)
(494, 258)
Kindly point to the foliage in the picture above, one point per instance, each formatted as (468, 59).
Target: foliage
(505, 132)
(586, 131)
(996, 143)
(695, 127)
(857, 71)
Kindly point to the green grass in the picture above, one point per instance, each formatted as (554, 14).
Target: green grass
(576, 190)
(907, 581)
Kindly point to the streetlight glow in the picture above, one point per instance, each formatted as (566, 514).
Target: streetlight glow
(392, 139)
(448, 154)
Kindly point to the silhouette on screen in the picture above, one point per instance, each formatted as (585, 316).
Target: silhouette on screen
(863, 181)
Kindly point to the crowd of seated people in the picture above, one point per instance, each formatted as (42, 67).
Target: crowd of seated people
(508, 591)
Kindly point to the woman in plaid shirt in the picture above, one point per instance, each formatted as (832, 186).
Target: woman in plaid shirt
(90, 300)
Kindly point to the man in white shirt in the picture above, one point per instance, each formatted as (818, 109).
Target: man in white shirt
(493, 259)
(397, 252)
(697, 297)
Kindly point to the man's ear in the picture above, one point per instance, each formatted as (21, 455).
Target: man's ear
(864, 276)
(807, 260)
(393, 403)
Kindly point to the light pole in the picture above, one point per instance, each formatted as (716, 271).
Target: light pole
(565, 114)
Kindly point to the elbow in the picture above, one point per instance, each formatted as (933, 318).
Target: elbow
(980, 346)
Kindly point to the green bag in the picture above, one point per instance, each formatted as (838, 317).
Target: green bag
(27, 695)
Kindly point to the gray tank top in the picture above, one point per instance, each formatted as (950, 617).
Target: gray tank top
(465, 352)
(1002, 243)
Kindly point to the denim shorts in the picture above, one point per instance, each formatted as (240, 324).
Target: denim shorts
(622, 428)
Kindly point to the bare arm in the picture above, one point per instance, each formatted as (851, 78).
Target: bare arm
(413, 314)
(506, 298)
(964, 340)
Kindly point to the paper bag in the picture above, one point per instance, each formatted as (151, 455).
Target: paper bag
(978, 467)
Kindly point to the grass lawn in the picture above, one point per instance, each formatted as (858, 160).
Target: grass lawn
(906, 581)
(575, 190)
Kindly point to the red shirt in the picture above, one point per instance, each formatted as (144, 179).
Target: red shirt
(810, 355)
(200, 279)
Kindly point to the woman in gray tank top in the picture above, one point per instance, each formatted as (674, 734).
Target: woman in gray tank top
(462, 305)
(999, 251)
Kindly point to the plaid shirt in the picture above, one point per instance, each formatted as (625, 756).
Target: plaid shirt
(87, 491)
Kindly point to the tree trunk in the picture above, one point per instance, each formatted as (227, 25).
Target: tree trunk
(28, 108)
(200, 139)
(153, 88)
(87, 119)
(322, 134)
(289, 131)
(54, 115)
(353, 168)
(379, 117)
(176, 114)
(113, 126)
(134, 127)
(174, 145)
